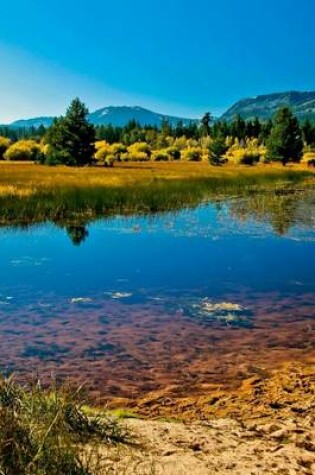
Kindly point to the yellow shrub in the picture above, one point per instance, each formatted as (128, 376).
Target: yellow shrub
(193, 154)
(206, 142)
(100, 144)
(24, 150)
(163, 141)
(249, 154)
(173, 152)
(229, 141)
(44, 148)
(138, 152)
(109, 160)
(104, 150)
(140, 147)
(181, 143)
(244, 156)
(101, 153)
(117, 149)
(308, 157)
(161, 155)
(136, 156)
(4, 145)
(252, 143)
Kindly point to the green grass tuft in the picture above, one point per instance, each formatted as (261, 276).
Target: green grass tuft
(48, 432)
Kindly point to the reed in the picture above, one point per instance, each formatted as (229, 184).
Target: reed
(32, 193)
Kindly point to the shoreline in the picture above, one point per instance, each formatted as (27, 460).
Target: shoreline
(268, 429)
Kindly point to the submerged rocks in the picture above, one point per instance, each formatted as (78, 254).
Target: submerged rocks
(226, 313)
(118, 295)
(80, 300)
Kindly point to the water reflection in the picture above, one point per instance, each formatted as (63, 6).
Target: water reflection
(77, 234)
(282, 210)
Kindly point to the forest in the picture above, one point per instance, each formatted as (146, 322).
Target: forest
(72, 140)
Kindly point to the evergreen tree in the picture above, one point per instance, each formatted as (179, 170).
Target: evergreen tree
(179, 129)
(131, 125)
(192, 131)
(41, 130)
(285, 142)
(238, 128)
(265, 131)
(205, 123)
(217, 149)
(225, 130)
(166, 127)
(71, 138)
(256, 128)
(216, 129)
(249, 129)
(308, 132)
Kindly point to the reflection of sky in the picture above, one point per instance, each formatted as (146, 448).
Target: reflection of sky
(204, 251)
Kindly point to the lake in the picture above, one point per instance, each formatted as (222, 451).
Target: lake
(176, 302)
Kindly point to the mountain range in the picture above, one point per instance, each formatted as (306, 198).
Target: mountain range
(116, 116)
(263, 107)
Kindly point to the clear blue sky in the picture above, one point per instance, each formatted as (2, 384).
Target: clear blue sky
(174, 56)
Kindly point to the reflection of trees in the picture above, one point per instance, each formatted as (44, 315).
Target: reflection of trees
(77, 234)
(282, 209)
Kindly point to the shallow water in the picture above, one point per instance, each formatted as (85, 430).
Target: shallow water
(181, 300)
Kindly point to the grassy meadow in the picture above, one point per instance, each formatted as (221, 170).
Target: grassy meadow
(31, 193)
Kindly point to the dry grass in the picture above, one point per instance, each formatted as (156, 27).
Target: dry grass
(35, 193)
(23, 179)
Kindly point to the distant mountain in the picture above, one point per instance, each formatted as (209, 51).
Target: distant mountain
(264, 107)
(116, 116)
(120, 116)
(36, 122)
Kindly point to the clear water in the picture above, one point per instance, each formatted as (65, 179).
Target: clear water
(144, 302)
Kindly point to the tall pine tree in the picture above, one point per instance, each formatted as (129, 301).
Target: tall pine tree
(71, 138)
(285, 142)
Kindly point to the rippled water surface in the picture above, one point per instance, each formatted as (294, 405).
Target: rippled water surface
(182, 300)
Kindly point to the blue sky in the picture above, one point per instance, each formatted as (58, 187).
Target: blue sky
(173, 56)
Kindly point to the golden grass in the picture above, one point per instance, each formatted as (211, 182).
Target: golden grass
(24, 179)
(35, 193)
(11, 190)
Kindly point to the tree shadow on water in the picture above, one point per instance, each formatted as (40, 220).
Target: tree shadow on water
(77, 234)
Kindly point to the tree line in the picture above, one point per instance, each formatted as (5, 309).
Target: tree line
(72, 140)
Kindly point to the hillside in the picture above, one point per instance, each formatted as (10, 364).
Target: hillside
(35, 122)
(116, 116)
(264, 107)
(120, 116)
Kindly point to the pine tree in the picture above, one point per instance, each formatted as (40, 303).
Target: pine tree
(265, 131)
(285, 142)
(256, 128)
(308, 132)
(238, 127)
(205, 123)
(71, 138)
(217, 149)
(179, 129)
(166, 127)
